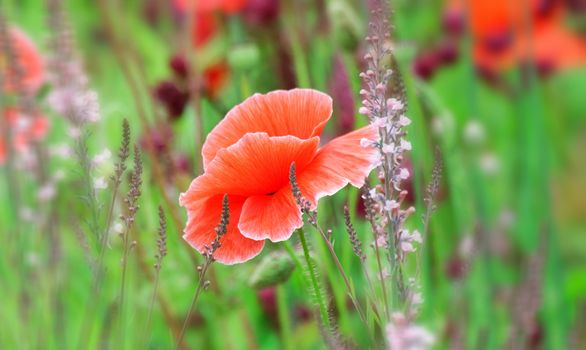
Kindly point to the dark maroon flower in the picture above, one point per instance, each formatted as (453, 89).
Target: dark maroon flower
(182, 164)
(178, 65)
(447, 52)
(425, 65)
(158, 139)
(455, 268)
(453, 22)
(577, 5)
(261, 12)
(498, 42)
(172, 98)
(543, 8)
(302, 313)
(535, 336)
(545, 67)
(267, 298)
(343, 97)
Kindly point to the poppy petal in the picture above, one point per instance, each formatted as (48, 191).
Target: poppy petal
(273, 217)
(302, 113)
(205, 215)
(255, 165)
(29, 61)
(341, 161)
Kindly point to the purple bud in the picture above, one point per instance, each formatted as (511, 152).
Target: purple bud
(172, 98)
(577, 6)
(303, 313)
(543, 8)
(455, 268)
(425, 65)
(447, 52)
(157, 139)
(182, 164)
(267, 298)
(498, 42)
(453, 22)
(261, 12)
(343, 96)
(178, 65)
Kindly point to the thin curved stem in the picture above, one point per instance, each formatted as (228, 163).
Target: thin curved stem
(313, 276)
(193, 302)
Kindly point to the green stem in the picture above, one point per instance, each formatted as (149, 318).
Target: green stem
(323, 310)
(198, 290)
(284, 318)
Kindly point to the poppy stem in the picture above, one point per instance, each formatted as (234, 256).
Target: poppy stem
(313, 276)
(342, 272)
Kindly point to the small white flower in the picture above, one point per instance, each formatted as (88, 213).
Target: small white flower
(407, 247)
(74, 132)
(364, 142)
(404, 121)
(416, 299)
(404, 174)
(489, 163)
(118, 227)
(61, 150)
(395, 105)
(27, 214)
(405, 145)
(23, 122)
(416, 236)
(388, 148)
(391, 204)
(474, 132)
(466, 246)
(102, 157)
(46, 192)
(100, 183)
(404, 335)
(380, 122)
(58, 175)
(381, 241)
(364, 110)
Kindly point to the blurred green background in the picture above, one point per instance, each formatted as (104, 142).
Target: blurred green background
(513, 183)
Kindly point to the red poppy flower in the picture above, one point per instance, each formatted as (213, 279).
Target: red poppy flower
(226, 6)
(24, 130)
(214, 78)
(204, 28)
(29, 61)
(501, 39)
(248, 156)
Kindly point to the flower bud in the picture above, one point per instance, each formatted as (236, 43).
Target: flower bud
(274, 269)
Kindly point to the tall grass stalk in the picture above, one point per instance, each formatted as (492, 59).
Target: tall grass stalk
(221, 230)
(312, 219)
(120, 168)
(131, 201)
(162, 251)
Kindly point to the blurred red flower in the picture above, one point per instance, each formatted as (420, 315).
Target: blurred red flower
(28, 68)
(207, 6)
(506, 33)
(248, 156)
(23, 130)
